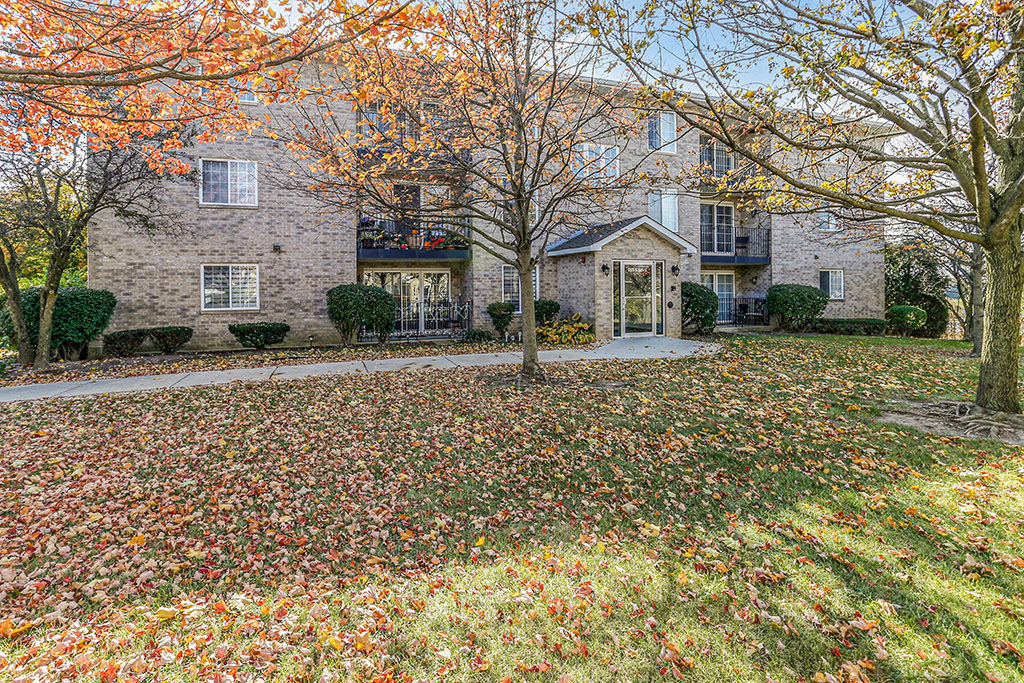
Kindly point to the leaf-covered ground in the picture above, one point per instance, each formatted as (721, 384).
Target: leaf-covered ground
(137, 366)
(735, 517)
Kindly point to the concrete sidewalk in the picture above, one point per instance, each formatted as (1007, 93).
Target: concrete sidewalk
(638, 348)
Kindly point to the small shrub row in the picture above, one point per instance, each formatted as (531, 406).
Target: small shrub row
(795, 307)
(501, 313)
(571, 330)
(127, 342)
(79, 316)
(352, 306)
(867, 327)
(698, 306)
(905, 319)
(259, 335)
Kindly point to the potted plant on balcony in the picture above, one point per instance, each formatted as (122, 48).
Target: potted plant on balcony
(436, 243)
(415, 240)
(458, 243)
(392, 240)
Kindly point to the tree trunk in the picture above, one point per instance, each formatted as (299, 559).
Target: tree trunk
(1000, 360)
(47, 302)
(26, 353)
(977, 302)
(531, 361)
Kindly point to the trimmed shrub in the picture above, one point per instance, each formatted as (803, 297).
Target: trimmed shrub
(905, 319)
(477, 337)
(698, 306)
(938, 316)
(349, 306)
(124, 343)
(170, 339)
(259, 335)
(545, 310)
(79, 316)
(501, 316)
(796, 306)
(571, 330)
(868, 327)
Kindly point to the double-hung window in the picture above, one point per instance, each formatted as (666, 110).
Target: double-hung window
(717, 234)
(716, 157)
(597, 160)
(661, 132)
(831, 282)
(663, 206)
(229, 183)
(511, 291)
(231, 287)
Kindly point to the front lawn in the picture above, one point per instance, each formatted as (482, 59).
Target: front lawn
(729, 518)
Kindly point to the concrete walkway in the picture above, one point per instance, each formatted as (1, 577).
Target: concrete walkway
(638, 348)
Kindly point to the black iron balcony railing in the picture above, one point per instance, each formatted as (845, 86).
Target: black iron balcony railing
(397, 238)
(743, 311)
(438, 320)
(736, 244)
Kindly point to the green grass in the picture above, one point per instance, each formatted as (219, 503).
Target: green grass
(739, 517)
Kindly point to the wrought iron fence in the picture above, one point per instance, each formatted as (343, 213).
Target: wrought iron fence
(743, 310)
(442, 320)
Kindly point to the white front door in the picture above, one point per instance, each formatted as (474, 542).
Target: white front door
(723, 283)
(637, 298)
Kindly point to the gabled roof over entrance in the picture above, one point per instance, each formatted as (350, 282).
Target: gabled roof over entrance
(595, 237)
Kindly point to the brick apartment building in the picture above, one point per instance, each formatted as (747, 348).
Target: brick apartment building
(257, 251)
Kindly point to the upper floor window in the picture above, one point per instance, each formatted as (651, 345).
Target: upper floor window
(597, 159)
(228, 183)
(663, 206)
(511, 291)
(247, 98)
(716, 229)
(230, 287)
(832, 283)
(716, 156)
(661, 132)
(826, 222)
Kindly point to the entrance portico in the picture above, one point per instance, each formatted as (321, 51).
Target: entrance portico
(625, 276)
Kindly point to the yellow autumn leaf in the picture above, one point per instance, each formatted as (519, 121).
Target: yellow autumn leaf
(480, 541)
(165, 613)
(139, 540)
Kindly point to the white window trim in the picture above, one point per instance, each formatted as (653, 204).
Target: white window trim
(826, 222)
(536, 286)
(668, 143)
(250, 103)
(229, 309)
(842, 282)
(601, 164)
(663, 194)
(254, 205)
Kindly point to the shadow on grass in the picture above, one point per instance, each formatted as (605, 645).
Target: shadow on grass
(735, 518)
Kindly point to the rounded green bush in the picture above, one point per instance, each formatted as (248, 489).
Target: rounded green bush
(477, 337)
(259, 335)
(545, 310)
(350, 306)
(795, 307)
(124, 343)
(905, 319)
(170, 339)
(501, 313)
(938, 316)
(698, 306)
(79, 316)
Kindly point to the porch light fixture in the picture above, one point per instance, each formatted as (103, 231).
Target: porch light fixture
(675, 270)
(277, 247)
(605, 269)
(753, 280)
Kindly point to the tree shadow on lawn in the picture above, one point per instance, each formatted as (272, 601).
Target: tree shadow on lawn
(729, 517)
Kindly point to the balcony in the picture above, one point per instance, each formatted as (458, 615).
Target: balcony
(392, 239)
(739, 245)
(743, 311)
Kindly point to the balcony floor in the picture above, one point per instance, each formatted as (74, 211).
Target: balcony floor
(412, 254)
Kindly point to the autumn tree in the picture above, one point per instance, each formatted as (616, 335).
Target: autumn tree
(496, 115)
(900, 110)
(124, 69)
(48, 198)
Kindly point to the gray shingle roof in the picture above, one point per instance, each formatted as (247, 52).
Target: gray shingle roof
(593, 234)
